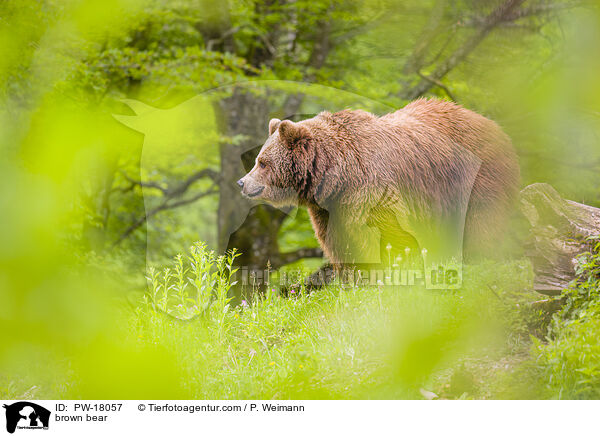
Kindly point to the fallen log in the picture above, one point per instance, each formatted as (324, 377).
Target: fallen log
(559, 232)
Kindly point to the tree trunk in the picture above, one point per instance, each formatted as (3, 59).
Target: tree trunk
(559, 229)
(254, 236)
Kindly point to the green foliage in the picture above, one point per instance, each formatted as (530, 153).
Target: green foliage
(207, 274)
(389, 341)
(571, 357)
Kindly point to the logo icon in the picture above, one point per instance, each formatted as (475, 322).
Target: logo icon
(26, 415)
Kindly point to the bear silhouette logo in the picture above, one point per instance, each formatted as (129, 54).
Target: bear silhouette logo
(24, 414)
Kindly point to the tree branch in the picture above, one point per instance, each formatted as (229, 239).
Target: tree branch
(216, 25)
(415, 61)
(293, 256)
(536, 10)
(141, 184)
(499, 15)
(177, 190)
(349, 33)
(163, 206)
(169, 196)
(220, 38)
(183, 187)
(438, 84)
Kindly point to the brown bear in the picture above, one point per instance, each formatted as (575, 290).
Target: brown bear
(426, 177)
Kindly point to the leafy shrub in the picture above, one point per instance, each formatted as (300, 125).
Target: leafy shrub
(571, 358)
(208, 275)
(336, 343)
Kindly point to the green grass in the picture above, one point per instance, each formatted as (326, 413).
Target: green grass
(570, 356)
(182, 338)
(336, 343)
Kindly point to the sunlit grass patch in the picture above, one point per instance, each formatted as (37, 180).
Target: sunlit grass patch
(351, 342)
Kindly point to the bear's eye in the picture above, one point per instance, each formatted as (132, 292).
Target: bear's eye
(262, 165)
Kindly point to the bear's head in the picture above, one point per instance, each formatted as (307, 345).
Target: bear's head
(286, 168)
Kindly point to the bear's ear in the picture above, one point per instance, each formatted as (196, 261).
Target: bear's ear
(273, 124)
(291, 132)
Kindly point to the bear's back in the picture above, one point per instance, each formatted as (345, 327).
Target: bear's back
(443, 120)
(443, 123)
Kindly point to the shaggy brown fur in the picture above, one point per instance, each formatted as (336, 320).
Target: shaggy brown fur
(406, 178)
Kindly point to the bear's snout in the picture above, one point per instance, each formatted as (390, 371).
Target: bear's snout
(250, 188)
(256, 192)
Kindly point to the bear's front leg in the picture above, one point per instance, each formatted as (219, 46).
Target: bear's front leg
(349, 238)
